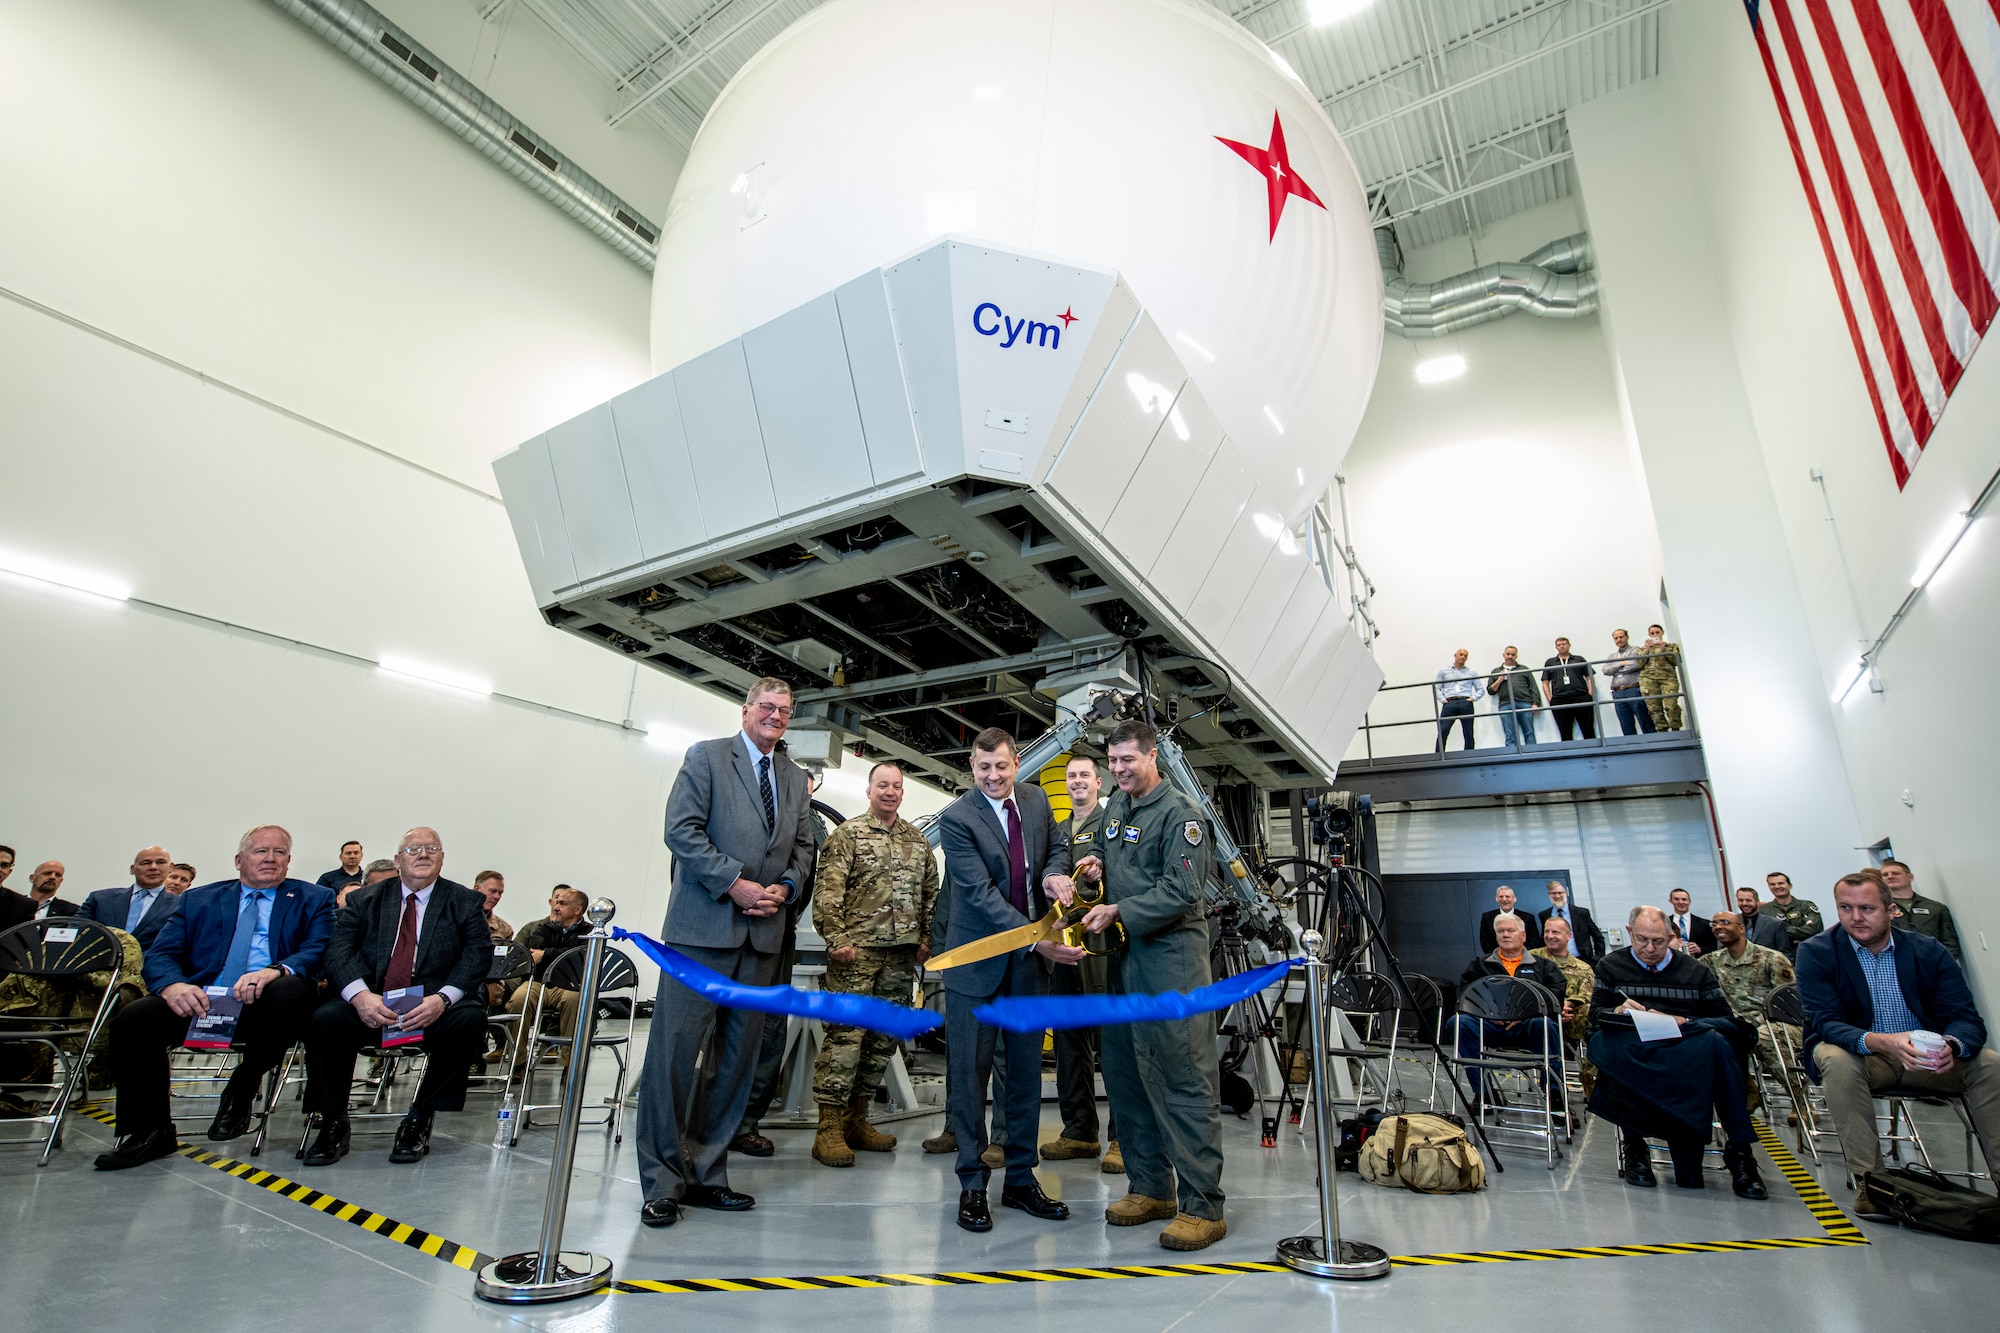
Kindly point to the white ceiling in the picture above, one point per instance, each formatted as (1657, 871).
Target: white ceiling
(1453, 109)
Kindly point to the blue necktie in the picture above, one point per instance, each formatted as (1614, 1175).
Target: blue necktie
(142, 899)
(246, 935)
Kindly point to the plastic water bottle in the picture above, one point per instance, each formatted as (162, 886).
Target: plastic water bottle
(503, 1134)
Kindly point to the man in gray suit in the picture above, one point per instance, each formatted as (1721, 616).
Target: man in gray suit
(1002, 862)
(739, 823)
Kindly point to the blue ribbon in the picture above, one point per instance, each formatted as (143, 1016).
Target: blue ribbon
(1041, 1012)
(857, 1011)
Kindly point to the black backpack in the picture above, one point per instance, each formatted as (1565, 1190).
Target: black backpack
(1919, 1197)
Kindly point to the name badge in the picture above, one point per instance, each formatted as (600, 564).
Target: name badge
(1081, 837)
(1131, 833)
(499, 951)
(60, 934)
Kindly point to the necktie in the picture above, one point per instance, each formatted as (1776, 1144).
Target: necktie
(1017, 860)
(403, 958)
(764, 790)
(245, 937)
(141, 900)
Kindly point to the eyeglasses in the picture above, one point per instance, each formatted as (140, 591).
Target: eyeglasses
(421, 849)
(773, 710)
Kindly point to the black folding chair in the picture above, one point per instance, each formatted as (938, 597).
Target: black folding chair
(511, 962)
(1422, 1018)
(57, 948)
(1374, 1000)
(1501, 999)
(566, 973)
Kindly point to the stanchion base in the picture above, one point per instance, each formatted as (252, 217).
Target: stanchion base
(511, 1281)
(1356, 1260)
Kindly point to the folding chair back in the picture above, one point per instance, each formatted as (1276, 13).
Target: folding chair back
(1784, 1006)
(1508, 1000)
(566, 973)
(54, 948)
(511, 961)
(59, 946)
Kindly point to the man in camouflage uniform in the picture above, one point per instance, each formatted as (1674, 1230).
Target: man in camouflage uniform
(1660, 679)
(872, 901)
(1910, 910)
(60, 997)
(1801, 917)
(1579, 979)
(1748, 973)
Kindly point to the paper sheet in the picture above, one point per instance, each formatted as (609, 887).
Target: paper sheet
(1654, 1027)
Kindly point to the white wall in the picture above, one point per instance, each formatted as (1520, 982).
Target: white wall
(1778, 311)
(214, 185)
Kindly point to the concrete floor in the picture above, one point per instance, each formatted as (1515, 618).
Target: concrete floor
(184, 1245)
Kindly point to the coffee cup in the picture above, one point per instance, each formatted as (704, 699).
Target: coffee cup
(1929, 1044)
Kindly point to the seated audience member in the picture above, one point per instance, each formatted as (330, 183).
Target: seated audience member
(1666, 1088)
(1585, 939)
(1801, 917)
(416, 930)
(142, 908)
(1580, 980)
(14, 907)
(377, 871)
(1887, 1007)
(74, 997)
(1748, 973)
(262, 935)
(180, 878)
(1914, 912)
(1503, 898)
(44, 887)
(1692, 930)
(1765, 928)
(546, 940)
(1510, 958)
(492, 885)
(348, 874)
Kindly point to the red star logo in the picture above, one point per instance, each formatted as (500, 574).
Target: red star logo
(1273, 163)
(1066, 317)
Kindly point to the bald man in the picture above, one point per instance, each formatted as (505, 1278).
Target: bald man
(142, 908)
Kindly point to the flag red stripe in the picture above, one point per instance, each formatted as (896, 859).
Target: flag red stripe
(1902, 244)
(1961, 85)
(1961, 257)
(1901, 370)
(1832, 262)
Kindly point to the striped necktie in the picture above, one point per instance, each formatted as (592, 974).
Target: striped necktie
(764, 789)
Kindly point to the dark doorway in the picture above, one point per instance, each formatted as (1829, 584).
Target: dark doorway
(1433, 920)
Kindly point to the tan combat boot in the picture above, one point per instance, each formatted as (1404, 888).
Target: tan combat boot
(994, 1157)
(1135, 1209)
(860, 1134)
(1114, 1160)
(830, 1142)
(1063, 1149)
(1187, 1232)
(941, 1142)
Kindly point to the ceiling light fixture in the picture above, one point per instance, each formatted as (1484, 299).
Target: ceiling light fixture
(1440, 368)
(1940, 550)
(63, 576)
(434, 675)
(1850, 680)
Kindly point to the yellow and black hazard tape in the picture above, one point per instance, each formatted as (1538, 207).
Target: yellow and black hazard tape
(1839, 1230)
(436, 1246)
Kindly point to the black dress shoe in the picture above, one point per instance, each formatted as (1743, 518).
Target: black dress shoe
(413, 1140)
(660, 1213)
(973, 1214)
(1743, 1177)
(1638, 1169)
(752, 1145)
(719, 1197)
(139, 1149)
(232, 1114)
(330, 1146)
(1030, 1200)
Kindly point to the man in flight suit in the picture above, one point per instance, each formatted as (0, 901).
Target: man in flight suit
(1162, 1077)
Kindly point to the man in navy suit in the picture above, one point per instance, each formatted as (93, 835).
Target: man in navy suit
(262, 935)
(1890, 1008)
(141, 909)
(1002, 861)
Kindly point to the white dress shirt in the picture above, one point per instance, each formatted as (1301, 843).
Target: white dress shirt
(452, 994)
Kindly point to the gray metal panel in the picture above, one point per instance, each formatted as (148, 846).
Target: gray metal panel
(666, 507)
(1211, 515)
(528, 485)
(590, 478)
(723, 440)
(920, 307)
(806, 408)
(1158, 493)
(1545, 768)
(877, 371)
(1102, 454)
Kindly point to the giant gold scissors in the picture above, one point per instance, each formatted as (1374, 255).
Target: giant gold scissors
(1061, 923)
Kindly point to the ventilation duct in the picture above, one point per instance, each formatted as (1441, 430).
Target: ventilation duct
(368, 38)
(1554, 282)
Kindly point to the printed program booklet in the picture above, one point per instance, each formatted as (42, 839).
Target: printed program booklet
(217, 1028)
(402, 1001)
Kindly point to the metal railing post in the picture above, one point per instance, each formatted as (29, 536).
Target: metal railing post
(549, 1272)
(1326, 1255)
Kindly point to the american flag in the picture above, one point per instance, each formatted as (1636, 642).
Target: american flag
(1889, 106)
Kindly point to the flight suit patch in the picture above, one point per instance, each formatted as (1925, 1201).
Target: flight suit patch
(1081, 837)
(1131, 833)
(1192, 832)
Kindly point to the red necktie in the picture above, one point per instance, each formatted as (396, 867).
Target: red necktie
(403, 958)
(1017, 861)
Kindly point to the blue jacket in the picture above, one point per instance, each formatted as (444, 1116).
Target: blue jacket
(194, 943)
(1839, 1008)
(110, 906)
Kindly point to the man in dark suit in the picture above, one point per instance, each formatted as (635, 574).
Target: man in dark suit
(1589, 940)
(416, 930)
(1503, 898)
(141, 908)
(1767, 929)
(739, 823)
(1003, 862)
(1890, 1008)
(1689, 927)
(261, 935)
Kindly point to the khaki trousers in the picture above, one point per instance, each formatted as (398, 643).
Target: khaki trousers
(564, 1002)
(1847, 1081)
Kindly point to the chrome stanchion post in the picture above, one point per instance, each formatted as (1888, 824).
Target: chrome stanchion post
(1326, 1255)
(552, 1273)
